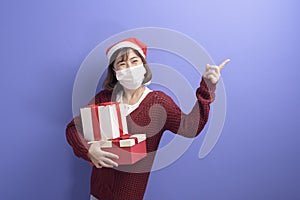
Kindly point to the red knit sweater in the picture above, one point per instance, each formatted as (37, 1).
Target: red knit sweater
(155, 114)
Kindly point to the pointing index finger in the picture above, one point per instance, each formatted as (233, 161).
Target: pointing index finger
(222, 65)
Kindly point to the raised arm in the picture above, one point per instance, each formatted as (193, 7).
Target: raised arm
(190, 125)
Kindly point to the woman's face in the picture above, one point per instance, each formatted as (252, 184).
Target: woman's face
(127, 59)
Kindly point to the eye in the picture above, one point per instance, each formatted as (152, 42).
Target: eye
(121, 64)
(135, 61)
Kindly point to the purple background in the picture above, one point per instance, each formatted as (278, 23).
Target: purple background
(257, 157)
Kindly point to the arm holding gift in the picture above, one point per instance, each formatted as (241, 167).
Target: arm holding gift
(89, 152)
(76, 140)
(101, 158)
(105, 127)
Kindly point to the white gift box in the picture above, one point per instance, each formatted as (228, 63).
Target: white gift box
(104, 121)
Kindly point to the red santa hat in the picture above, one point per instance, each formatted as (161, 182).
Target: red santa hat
(129, 42)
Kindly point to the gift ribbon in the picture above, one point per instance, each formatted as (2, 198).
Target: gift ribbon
(116, 141)
(96, 119)
(96, 123)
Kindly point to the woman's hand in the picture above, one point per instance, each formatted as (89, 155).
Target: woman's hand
(212, 72)
(101, 158)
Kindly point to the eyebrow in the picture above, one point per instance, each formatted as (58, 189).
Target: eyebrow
(133, 57)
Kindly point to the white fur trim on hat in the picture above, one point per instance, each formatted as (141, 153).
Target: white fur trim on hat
(125, 44)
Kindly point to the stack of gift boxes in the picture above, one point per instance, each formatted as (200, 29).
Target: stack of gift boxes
(106, 123)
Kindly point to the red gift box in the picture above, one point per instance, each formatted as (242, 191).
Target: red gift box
(129, 148)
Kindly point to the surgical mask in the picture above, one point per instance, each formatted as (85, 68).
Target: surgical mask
(131, 77)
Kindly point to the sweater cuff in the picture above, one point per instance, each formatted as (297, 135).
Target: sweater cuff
(206, 91)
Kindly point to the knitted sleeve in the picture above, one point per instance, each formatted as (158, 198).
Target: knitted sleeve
(74, 132)
(190, 125)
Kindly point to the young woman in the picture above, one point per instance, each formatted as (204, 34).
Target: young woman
(149, 112)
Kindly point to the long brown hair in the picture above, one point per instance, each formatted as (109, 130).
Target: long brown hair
(111, 80)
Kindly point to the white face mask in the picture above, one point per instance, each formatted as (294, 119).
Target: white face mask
(131, 77)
